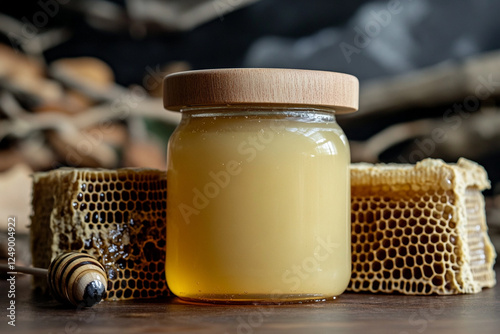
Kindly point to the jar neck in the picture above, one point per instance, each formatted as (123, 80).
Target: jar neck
(307, 112)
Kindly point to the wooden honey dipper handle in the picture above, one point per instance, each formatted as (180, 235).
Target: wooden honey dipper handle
(76, 278)
(24, 270)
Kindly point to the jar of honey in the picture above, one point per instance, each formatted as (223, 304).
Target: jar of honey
(258, 186)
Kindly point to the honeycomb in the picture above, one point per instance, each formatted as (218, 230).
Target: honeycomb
(117, 216)
(420, 229)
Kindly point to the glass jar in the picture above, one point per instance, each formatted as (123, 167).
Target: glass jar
(258, 190)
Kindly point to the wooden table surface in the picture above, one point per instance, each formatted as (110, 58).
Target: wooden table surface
(350, 313)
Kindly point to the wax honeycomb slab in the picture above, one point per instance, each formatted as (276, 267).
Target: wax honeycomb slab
(117, 216)
(420, 229)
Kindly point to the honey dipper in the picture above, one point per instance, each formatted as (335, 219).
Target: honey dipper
(75, 278)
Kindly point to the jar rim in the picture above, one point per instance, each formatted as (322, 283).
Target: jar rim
(269, 86)
(297, 113)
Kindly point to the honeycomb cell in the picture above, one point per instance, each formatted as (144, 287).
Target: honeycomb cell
(412, 224)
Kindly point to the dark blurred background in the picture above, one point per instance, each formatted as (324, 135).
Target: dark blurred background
(80, 81)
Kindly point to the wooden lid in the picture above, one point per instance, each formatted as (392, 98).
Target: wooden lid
(261, 86)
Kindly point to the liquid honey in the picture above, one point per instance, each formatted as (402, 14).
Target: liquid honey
(258, 206)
